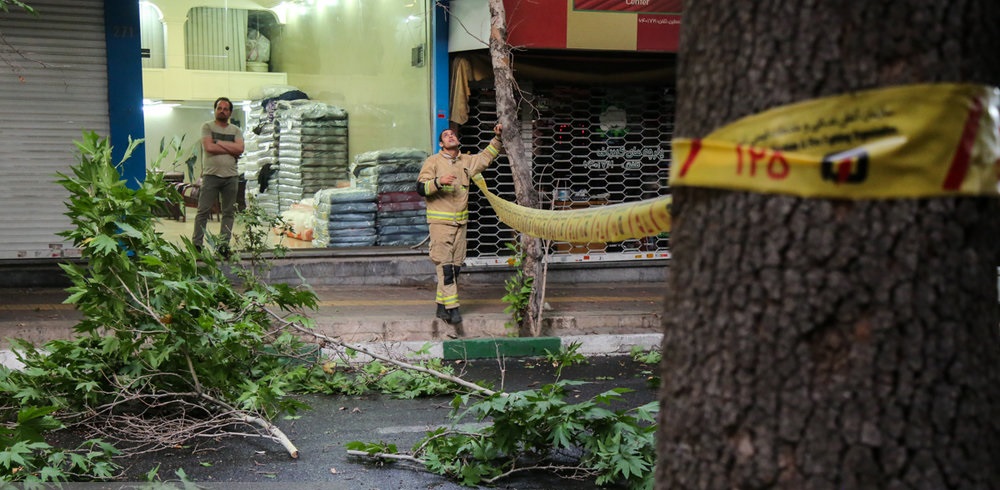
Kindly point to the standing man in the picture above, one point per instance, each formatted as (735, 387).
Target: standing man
(223, 144)
(444, 182)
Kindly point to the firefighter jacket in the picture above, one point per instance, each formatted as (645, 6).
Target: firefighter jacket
(450, 203)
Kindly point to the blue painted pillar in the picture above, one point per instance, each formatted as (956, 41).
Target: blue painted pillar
(440, 69)
(121, 27)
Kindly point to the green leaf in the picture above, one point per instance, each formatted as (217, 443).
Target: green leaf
(103, 244)
(75, 297)
(103, 470)
(110, 345)
(49, 473)
(128, 230)
(77, 461)
(356, 446)
(561, 437)
(13, 456)
(648, 411)
(26, 414)
(152, 474)
(86, 386)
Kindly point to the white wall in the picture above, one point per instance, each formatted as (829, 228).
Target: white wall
(469, 25)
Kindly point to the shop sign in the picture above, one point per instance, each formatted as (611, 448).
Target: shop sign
(645, 6)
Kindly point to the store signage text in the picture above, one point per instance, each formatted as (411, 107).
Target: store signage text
(633, 157)
(646, 6)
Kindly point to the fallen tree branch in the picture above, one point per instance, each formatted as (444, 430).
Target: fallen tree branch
(142, 422)
(276, 434)
(571, 472)
(575, 472)
(398, 457)
(368, 352)
(147, 432)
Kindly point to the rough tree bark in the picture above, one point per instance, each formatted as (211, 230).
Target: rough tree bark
(820, 343)
(520, 165)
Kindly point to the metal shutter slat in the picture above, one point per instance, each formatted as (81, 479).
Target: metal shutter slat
(44, 114)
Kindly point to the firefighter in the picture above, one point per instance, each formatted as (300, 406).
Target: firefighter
(444, 182)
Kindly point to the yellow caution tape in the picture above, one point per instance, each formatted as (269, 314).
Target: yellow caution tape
(612, 223)
(898, 142)
(910, 141)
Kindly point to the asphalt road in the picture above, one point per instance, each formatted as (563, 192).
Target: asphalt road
(322, 432)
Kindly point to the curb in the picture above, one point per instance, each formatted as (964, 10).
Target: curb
(453, 350)
(491, 348)
(480, 348)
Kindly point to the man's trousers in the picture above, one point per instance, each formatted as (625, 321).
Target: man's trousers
(216, 189)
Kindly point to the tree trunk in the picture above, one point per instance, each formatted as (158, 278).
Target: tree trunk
(822, 343)
(524, 189)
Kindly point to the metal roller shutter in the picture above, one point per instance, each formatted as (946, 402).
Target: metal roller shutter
(600, 144)
(52, 89)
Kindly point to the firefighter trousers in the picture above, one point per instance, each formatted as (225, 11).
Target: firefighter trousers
(448, 247)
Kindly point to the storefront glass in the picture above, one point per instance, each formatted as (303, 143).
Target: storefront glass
(322, 88)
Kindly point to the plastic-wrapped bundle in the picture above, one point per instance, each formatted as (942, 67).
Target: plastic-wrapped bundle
(419, 229)
(391, 220)
(261, 143)
(345, 234)
(345, 194)
(349, 233)
(286, 202)
(300, 221)
(288, 189)
(311, 113)
(267, 202)
(340, 208)
(391, 170)
(411, 235)
(391, 207)
(304, 178)
(331, 137)
(390, 167)
(387, 197)
(312, 148)
(358, 230)
(408, 214)
(259, 151)
(348, 215)
(391, 155)
(315, 155)
(367, 217)
(402, 218)
(370, 175)
(361, 242)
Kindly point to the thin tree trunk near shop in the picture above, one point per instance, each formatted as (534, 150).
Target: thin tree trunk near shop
(520, 165)
(824, 343)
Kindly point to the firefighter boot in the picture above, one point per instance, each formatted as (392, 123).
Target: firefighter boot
(443, 313)
(456, 317)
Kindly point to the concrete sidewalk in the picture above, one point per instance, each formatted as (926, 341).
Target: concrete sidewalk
(407, 313)
(603, 317)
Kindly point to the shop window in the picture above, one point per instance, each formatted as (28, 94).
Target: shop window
(263, 32)
(318, 136)
(226, 39)
(215, 39)
(152, 34)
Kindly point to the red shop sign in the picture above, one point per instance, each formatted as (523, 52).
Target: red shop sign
(646, 6)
